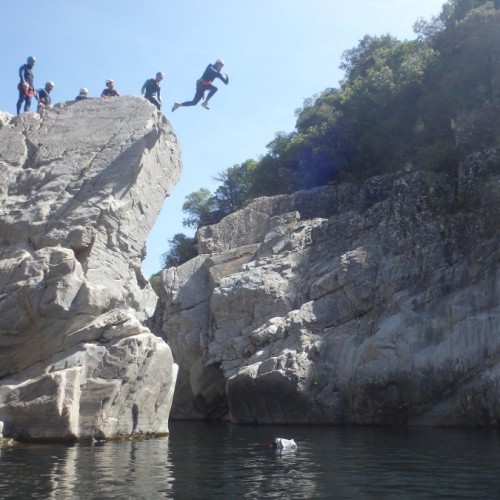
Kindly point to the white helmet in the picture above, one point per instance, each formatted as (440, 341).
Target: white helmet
(50, 83)
(83, 90)
(109, 81)
(160, 73)
(220, 61)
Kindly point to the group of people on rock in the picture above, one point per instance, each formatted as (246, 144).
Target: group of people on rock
(151, 88)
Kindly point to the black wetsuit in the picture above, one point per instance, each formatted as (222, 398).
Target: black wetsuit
(25, 95)
(151, 88)
(107, 92)
(205, 83)
(43, 97)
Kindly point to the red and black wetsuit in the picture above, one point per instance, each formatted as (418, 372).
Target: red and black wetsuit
(25, 92)
(205, 83)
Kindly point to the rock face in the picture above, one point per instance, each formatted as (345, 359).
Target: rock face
(80, 188)
(376, 304)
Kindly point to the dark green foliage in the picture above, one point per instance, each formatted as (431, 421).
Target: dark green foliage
(204, 208)
(429, 101)
(199, 206)
(182, 249)
(155, 281)
(266, 179)
(233, 192)
(460, 106)
(379, 101)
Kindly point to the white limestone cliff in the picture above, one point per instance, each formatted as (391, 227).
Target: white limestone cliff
(376, 304)
(81, 186)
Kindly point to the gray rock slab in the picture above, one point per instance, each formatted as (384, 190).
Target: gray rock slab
(375, 304)
(81, 186)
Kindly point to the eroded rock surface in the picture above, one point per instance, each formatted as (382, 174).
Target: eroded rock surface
(346, 305)
(81, 186)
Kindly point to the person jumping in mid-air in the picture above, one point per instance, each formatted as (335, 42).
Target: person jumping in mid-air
(151, 88)
(205, 83)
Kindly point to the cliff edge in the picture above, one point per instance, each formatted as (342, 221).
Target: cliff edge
(81, 186)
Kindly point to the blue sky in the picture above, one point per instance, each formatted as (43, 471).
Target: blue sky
(277, 53)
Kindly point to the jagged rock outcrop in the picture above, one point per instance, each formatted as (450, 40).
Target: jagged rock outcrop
(81, 186)
(346, 305)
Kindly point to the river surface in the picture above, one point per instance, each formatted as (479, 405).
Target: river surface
(215, 460)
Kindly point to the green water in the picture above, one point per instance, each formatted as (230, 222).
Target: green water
(217, 460)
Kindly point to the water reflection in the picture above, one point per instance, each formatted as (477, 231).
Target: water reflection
(223, 461)
(129, 469)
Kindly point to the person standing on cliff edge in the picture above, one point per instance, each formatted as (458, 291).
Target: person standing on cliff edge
(212, 72)
(25, 86)
(151, 88)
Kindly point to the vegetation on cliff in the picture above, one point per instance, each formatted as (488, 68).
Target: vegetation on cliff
(423, 104)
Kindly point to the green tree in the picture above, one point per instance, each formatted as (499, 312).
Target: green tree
(380, 100)
(156, 282)
(233, 192)
(323, 141)
(457, 11)
(459, 109)
(358, 61)
(181, 249)
(199, 207)
(267, 179)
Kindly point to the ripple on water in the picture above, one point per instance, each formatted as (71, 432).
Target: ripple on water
(222, 461)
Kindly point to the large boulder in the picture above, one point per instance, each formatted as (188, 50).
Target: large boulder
(381, 309)
(81, 186)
